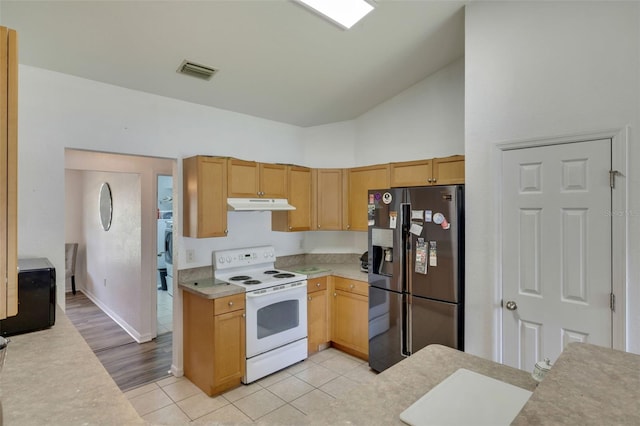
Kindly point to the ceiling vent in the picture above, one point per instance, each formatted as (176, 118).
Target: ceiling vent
(196, 70)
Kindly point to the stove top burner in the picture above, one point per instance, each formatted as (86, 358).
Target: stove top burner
(240, 278)
(249, 282)
(271, 272)
(284, 275)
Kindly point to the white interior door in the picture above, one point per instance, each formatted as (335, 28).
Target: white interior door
(556, 244)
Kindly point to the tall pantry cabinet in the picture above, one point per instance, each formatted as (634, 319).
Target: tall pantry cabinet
(9, 172)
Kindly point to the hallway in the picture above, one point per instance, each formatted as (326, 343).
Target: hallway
(129, 363)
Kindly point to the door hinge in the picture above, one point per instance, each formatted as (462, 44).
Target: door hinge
(612, 302)
(612, 178)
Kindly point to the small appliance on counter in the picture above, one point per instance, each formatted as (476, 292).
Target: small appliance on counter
(364, 262)
(36, 298)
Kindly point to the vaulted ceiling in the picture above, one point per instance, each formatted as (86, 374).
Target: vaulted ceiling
(276, 59)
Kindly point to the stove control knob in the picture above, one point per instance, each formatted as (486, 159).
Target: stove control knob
(266, 254)
(271, 254)
(221, 260)
(228, 259)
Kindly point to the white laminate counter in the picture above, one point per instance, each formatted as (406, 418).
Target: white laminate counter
(52, 377)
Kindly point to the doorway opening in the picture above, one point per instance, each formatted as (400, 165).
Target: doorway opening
(117, 268)
(165, 254)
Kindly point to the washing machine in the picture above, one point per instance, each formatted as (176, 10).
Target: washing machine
(168, 254)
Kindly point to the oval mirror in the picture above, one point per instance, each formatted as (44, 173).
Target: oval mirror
(105, 206)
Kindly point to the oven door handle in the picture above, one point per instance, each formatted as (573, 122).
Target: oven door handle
(271, 291)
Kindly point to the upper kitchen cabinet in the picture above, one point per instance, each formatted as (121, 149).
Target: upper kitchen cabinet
(328, 198)
(205, 197)
(249, 179)
(299, 195)
(359, 181)
(448, 170)
(9, 166)
(436, 171)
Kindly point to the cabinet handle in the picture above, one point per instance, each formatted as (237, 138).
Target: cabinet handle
(290, 228)
(350, 285)
(348, 226)
(318, 226)
(244, 315)
(317, 284)
(435, 180)
(429, 180)
(309, 298)
(334, 294)
(230, 303)
(226, 231)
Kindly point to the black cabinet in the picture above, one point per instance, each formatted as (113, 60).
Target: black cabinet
(36, 298)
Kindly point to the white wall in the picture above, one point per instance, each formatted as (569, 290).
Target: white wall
(59, 111)
(113, 258)
(424, 121)
(536, 70)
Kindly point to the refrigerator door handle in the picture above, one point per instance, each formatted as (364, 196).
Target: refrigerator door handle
(405, 333)
(405, 253)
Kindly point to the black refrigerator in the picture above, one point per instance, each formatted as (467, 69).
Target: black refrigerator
(416, 271)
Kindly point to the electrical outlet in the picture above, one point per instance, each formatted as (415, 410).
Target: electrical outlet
(190, 255)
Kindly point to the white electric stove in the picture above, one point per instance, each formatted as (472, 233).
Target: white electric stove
(276, 308)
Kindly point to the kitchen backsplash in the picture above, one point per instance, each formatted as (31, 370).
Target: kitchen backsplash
(317, 258)
(203, 272)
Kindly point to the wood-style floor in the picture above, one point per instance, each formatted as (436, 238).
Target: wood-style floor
(130, 364)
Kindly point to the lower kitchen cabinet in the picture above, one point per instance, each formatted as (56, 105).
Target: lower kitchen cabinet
(349, 316)
(214, 341)
(317, 314)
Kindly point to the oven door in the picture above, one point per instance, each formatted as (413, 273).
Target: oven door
(276, 316)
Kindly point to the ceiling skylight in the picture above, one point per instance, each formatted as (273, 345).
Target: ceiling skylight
(343, 12)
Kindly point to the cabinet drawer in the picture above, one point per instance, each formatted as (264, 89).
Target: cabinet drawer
(316, 284)
(351, 286)
(228, 304)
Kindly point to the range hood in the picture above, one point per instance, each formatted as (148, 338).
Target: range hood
(258, 204)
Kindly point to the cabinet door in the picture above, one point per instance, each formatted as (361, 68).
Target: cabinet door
(205, 197)
(449, 170)
(351, 286)
(197, 331)
(299, 195)
(243, 178)
(317, 320)
(360, 181)
(229, 352)
(300, 198)
(273, 181)
(349, 321)
(328, 199)
(9, 165)
(411, 173)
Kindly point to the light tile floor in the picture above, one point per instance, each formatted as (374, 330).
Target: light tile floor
(285, 397)
(164, 312)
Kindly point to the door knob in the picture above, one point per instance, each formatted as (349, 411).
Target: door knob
(511, 305)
